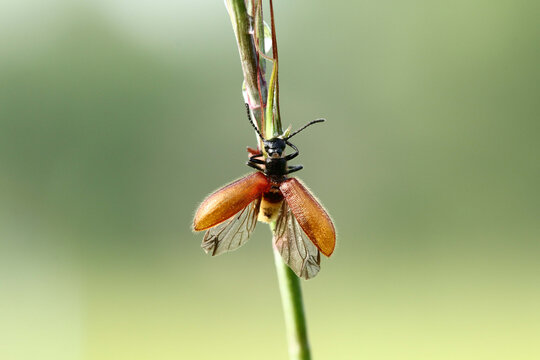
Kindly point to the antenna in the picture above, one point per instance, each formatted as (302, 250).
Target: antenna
(305, 126)
(252, 123)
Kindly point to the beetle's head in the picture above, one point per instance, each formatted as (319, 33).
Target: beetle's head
(275, 147)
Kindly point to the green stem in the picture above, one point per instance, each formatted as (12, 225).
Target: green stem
(293, 308)
(273, 122)
(289, 283)
(241, 23)
(241, 26)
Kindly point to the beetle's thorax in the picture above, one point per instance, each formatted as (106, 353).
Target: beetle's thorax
(275, 162)
(275, 168)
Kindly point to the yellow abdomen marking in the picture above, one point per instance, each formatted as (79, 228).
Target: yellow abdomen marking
(270, 206)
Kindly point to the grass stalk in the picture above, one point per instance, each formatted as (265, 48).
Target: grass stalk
(258, 92)
(293, 309)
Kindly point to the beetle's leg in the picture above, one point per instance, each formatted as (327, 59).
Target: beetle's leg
(254, 159)
(294, 168)
(294, 154)
(255, 166)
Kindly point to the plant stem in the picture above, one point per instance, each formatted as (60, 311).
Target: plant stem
(241, 26)
(293, 308)
(289, 283)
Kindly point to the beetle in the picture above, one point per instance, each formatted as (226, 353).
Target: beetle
(303, 227)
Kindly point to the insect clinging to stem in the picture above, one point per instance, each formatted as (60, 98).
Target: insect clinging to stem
(303, 227)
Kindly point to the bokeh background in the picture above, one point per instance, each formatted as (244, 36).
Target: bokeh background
(118, 117)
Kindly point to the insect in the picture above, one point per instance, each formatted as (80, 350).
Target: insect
(303, 227)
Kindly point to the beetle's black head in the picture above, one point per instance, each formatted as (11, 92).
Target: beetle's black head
(275, 147)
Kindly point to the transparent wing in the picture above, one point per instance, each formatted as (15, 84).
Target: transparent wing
(233, 232)
(294, 246)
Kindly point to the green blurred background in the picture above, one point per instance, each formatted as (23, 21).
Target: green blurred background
(118, 117)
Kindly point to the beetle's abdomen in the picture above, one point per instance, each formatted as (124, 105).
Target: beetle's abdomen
(270, 206)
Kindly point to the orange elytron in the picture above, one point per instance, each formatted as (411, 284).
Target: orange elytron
(303, 227)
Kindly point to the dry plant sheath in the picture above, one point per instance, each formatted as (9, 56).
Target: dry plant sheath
(301, 227)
